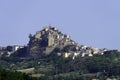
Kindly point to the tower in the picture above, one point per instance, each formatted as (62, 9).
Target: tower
(50, 40)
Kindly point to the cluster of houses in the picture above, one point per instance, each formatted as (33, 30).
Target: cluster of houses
(83, 51)
(8, 50)
(49, 38)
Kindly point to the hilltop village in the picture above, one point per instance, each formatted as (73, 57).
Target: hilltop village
(50, 39)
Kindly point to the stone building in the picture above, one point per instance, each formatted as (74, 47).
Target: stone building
(50, 40)
(47, 39)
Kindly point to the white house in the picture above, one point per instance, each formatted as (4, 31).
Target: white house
(16, 47)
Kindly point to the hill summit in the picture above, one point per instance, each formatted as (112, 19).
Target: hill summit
(50, 39)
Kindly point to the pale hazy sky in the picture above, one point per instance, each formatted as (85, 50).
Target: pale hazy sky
(89, 22)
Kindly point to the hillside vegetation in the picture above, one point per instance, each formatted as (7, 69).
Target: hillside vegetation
(52, 66)
(14, 75)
